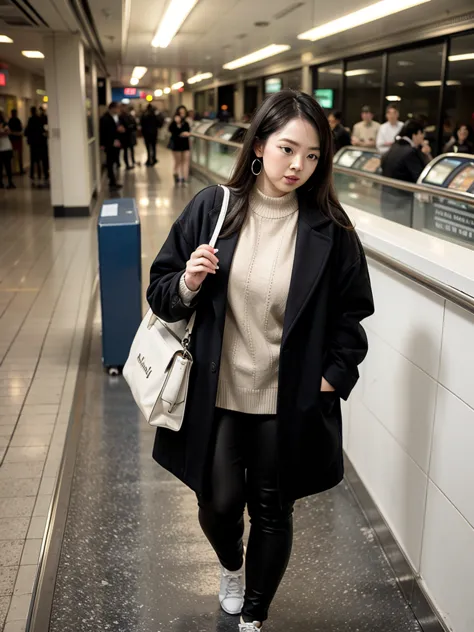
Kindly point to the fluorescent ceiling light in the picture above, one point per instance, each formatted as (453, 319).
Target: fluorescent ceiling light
(200, 77)
(258, 55)
(32, 54)
(436, 84)
(400, 84)
(357, 18)
(167, 90)
(134, 81)
(173, 19)
(177, 86)
(139, 72)
(4, 39)
(158, 93)
(463, 57)
(359, 71)
(393, 97)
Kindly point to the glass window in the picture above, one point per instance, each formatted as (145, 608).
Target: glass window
(459, 101)
(292, 79)
(413, 85)
(363, 89)
(328, 84)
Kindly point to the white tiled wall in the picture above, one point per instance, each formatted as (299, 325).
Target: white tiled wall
(409, 429)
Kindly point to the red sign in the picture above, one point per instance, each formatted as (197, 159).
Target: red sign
(143, 94)
(130, 92)
(3, 79)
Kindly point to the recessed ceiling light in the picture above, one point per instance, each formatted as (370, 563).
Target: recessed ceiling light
(167, 90)
(400, 84)
(32, 54)
(463, 57)
(405, 64)
(393, 97)
(4, 39)
(139, 72)
(172, 21)
(200, 77)
(359, 71)
(158, 93)
(436, 84)
(258, 55)
(177, 85)
(357, 18)
(134, 81)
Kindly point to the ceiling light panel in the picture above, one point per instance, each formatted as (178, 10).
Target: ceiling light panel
(173, 19)
(32, 54)
(358, 18)
(139, 72)
(200, 77)
(258, 55)
(4, 39)
(436, 84)
(464, 57)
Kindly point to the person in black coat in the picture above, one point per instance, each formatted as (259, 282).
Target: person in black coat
(151, 123)
(227, 455)
(179, 144)
(341, 135)
(405, 160)
(462, 142)
(36, 137)
(110, 130)
(16, 138)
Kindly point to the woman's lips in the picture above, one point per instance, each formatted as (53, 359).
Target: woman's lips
(292, 178)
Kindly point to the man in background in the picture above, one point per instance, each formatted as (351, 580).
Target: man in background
(341, 136)
(110, 142)
(16, 138)
(364, 133)
(389, 131)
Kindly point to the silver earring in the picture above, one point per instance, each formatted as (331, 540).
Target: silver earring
(259, 166)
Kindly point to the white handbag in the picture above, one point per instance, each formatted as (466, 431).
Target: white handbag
(159, 364)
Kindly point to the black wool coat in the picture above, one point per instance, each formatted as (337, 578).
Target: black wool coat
(329, 295)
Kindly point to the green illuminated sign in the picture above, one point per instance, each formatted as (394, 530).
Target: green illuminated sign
(325, 98)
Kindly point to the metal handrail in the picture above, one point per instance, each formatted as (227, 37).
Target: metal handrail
(406, 186)
(221, 141)
(442, 289)
(391, 182)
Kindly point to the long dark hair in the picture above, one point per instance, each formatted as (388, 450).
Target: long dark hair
(274, 113)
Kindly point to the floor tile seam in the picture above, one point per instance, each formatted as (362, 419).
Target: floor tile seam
(36, 366)
(31, 306)
(33, 239)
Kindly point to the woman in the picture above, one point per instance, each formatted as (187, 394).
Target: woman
(6, 154)
(179, 145)
(462, 142)
(276, 344)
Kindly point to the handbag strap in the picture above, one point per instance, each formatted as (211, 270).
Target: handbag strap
(214, 238)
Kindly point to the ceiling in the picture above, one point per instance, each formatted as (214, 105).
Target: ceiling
(215, 32)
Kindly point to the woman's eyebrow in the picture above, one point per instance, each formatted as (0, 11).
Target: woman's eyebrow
(293, 142)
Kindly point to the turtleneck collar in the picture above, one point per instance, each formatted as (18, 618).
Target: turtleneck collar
(273, 207)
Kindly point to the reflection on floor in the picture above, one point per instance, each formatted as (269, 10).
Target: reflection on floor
(134, 558)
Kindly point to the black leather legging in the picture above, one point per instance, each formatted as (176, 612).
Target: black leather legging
(244, 471)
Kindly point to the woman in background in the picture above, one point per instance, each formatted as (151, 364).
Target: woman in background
(179, 145)
(6, 153)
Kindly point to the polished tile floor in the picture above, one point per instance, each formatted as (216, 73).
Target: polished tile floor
(134, 558)
(46, 273)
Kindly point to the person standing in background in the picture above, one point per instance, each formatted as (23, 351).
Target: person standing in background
(45, 145)
(340, 135)
(34, 133)
(16, 138)
(389, 131)
(125, 136)
(364, 133)
(179, 145)
(5, 153)
(110, 143)
(462, 142)
(150, 125)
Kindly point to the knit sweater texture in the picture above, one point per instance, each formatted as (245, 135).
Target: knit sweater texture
(257, 294)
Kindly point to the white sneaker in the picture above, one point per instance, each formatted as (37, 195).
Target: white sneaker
(232, 590)
(250, 627)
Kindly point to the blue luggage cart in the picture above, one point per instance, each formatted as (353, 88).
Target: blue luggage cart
(120, 280)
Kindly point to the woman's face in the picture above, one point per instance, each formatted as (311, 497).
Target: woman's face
(182, 112)
(463, 134)
(290, 157)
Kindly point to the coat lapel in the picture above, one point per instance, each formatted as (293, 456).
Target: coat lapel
(311, 256)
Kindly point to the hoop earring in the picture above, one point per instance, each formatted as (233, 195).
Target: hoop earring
(259, 164)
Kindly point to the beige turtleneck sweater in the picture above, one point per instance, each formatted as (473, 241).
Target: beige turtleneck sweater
(259, 281)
